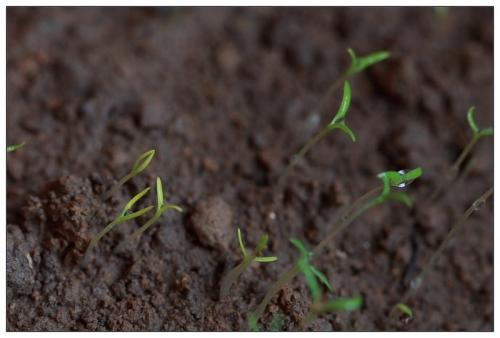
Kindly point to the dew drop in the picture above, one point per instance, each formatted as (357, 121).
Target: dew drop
(404, 184)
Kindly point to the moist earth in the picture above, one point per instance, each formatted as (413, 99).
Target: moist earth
(225, 96)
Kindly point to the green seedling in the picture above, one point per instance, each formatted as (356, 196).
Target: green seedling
(161, 207)
(248, 259)
(125, 215)
(320, 306)
(358, 64)
(140, 165)
(363, 204)
(15, 147)
(405, 309)
(477, 134)
(338, 122)
(253, 325)
(418, 280)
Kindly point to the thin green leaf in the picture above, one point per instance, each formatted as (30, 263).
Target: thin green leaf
(322, 278)
(159, 194)
(15, 147)
(267, 259)
(470, 119)
(242, 246)
(485, 132)
(344, 304)
(359, 64)
(298, 244)
(405, 309)
(342, 126)
(261, 245)
(142, 162)
(400, 178)
(171, 206)
(134, 200)
(136, 214)
(344, 105)
(311, 281)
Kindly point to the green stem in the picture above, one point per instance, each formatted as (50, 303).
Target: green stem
(416, 282)
(304, 150)
(114, 189)
(143, 228)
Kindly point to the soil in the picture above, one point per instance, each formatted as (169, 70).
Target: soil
(225, 96)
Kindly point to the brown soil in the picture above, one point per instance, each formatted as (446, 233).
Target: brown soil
(225, 96)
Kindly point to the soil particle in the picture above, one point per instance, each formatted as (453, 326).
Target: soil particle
(20, 271)
(211, 221)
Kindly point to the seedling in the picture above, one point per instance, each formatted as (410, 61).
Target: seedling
(417, 281)
(140, 165)
(358, 64)
(15, 147)
(161, 207)
(248, 259)
(320, 306)
(366, 202)
(124, 216)
(338, 122)
(477, 134)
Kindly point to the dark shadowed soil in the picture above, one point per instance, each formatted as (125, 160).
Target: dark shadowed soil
(225, 96)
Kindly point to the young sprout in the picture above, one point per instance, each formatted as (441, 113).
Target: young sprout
(161, 207)
(253, 325)
(417, 281)
(357, 65)
(477, 134)
(15, 147)
(320, 306)
(338, 122)
(248, 259)
(139, 166)
(124, 216)
(364, 203)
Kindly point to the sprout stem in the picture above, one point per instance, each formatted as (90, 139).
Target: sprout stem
(304, 150)
(416, 282)
(233, 275)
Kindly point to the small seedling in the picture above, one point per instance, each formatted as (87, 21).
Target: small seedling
(320, 306)
(139, 166)
(338, 122)
(161, 207)
(477, 134)
(15, 147)
(124, 216)
(248, 259)
(417, 281)
(364, 203)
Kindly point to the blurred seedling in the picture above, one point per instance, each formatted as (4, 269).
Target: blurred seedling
(477, 134)
(418, 280)
(15, 147)
(390, 180)
(313, 278)
(338, 122)
(161, 207)
(405, 309)
(232, 276)
(358, 64)
(125, 215)
(140, 165)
